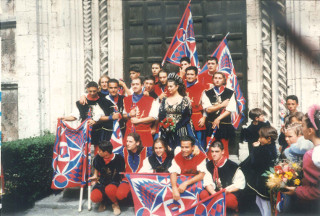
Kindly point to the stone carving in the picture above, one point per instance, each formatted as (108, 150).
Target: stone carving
(87, 37)
(266, 67)
(103, 27)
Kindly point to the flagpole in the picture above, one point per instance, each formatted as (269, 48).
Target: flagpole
(227, 35)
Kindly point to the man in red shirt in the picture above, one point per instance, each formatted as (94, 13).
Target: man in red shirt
(194, 91)
(206, 77)
(186, 163)
(141, 111)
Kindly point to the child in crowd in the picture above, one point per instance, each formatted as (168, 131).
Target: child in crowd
(298, 145)
(292, 103)
(251, 133)
(305, 199)
(106, 177)
(262, 157)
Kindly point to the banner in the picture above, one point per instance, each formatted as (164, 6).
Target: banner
(71, 155)
(222, 53)
(183, 42)
(152, 194)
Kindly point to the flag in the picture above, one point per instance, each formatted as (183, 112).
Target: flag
(226, 65)
(283, 110)
(152, 194)
(183, 42)
(116, 137)
(71, 151)
(214, 205)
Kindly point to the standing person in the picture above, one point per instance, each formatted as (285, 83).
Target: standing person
(178, 107)
(206, 78)
(106, 177)
(305, 199)
(223, 174)
(194, 91)
(115, 110)
(149, 84)
(160, 160)
(161, 89)
(251, 133)
(156, 68)
(186, 163)
(263, 157)
(292, 104)
(219, 102)
(134, 154)
(140, 111)
(184, 63)
(98, 106)
(134, 72)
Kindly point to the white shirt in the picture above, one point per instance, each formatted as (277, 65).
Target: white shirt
(316, 156)
(146, 166)
(238, 180)
(232, 105)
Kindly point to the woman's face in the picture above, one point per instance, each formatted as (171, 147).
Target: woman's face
(159, 149)
(305, 129)
(291, 137)
(104, 83)
(172, 87)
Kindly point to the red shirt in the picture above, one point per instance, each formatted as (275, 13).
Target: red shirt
(189, 166)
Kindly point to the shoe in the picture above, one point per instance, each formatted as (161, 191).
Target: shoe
(116, 209)
(101, 208)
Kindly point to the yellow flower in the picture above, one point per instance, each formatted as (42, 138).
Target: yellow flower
(297, 182)
(289, 175)
(295, 165)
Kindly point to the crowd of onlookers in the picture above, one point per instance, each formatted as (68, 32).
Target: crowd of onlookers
(180, 123)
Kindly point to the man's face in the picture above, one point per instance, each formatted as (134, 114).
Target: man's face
(186, 148)
(132, 145)
(184, 65)
(212, 66)
(292, 105)
(148, 85)
(191, 76)
(216, 153)
(136, 86)
(103, 154)
(134, 75)
(218, 80)
(155, 68)
(113, 89)
(163, 77)
(93, 92)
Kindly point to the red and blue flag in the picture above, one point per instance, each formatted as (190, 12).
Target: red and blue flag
(71, 155)
(152, 194)
(215, 205)
(183, 42)
(222, 53)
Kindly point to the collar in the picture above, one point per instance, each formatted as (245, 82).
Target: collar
(191, 84)
(136, 97)
(107, 160)
(219, 90)
(91, 98)
(189, 157)
(217, 165)
(105, 92)
(162, 158)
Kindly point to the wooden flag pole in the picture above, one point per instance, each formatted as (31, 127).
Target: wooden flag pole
(80, 200)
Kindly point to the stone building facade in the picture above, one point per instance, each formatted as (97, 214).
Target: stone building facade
(51, 48)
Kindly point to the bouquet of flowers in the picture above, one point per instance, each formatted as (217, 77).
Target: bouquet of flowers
(168, 124)
(285, 173)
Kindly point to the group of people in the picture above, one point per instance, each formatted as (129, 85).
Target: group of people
(166, 120)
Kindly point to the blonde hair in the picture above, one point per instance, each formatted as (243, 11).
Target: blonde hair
(295, 127)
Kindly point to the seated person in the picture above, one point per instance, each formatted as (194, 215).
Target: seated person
(222, 173)
(134, 153)
(160, 160)
(109, 166)
(186, 162)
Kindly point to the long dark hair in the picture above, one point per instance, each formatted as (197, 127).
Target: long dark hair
(178, 82)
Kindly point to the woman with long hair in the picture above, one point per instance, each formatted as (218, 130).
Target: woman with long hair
(176, 107)
(160, 160)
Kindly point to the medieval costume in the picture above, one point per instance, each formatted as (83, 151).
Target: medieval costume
(156, 164)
